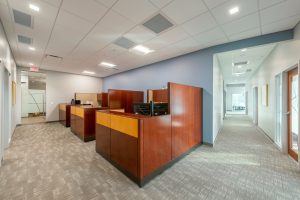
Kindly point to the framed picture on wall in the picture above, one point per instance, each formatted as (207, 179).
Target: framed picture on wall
(264, 95)
(13, 92)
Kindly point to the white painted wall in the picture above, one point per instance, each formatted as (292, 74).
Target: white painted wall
(7, 61)
(60, 88)
(217, 98)
(284, 56)
(297, 32)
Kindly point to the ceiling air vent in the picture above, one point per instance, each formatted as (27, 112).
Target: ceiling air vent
(22, 18)
(240, 63)
(111, 68)
(125, 43)
(249, 70)
(24, 39)
(158, 24)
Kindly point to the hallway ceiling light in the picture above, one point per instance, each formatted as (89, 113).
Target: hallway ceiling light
(34, 7)
(106, 64)
(244, 50)
(234, 10)
(88, 72)
(142, 49)
(31, 48)
(31, 64)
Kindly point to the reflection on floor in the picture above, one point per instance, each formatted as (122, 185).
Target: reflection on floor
(33, 120)
(46, 161)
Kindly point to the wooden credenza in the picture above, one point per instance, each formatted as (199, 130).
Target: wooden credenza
(83, 121)
(65, 114)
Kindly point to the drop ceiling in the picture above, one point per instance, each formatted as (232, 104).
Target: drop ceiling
(239, 66)
(83, 32)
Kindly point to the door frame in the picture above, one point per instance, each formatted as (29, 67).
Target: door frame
(293, 72)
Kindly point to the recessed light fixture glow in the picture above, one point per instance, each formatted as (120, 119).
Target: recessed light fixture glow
(88, 72)
(31, 64)
(31, 48)
(234, 10)
(34, 7)
(106, 64)
(243, 50)
(142, 49)
(240, 66)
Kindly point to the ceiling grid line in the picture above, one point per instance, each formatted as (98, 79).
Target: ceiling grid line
(41, 61)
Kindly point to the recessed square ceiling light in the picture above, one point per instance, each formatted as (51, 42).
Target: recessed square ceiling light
(31, 64)
(142, 49)
(106, 64)
(31, 48)
(88, 72)
(234, 10)
(34, 7)
(244, 50)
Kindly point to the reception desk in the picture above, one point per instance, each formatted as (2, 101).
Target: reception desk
(65, 114)
(138, 145)
(83, 121)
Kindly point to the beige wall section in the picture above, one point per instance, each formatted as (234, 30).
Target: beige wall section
(284, 56)
(61, 87)
(297, 32)
(217, 98)
(88, 98)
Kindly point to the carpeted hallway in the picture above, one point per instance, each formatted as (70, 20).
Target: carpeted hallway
(46, 161)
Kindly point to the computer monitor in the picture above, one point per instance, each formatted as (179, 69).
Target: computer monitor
(142, 108)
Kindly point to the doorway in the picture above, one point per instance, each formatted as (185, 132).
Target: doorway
(293, 114)
(33, 97)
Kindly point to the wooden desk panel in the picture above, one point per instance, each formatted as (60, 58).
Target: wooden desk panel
(124, 152)
(156, 144)
(186, 121)
(103, 141)
(64, 114)
(124, 125)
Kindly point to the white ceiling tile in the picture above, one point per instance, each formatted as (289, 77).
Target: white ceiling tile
(246, 7)
(160, 3)
(140, 34)
(280, 11)
(210, 36)
(88, 9)
(183, 10)
(103, 36)
(73, 22)
(107, 3)
(137, 11)
(174, 35)
(285, 24)
(53, 2)
(3, 2)
(115, 22)
(245, 34)
(267, 3)
(186, 44)
(199, 24)
(214, 3)
(243, 24)
(156, 43)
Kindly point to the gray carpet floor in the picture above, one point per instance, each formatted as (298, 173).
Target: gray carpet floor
(46, 161)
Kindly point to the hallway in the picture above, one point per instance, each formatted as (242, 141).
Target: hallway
(46, 161)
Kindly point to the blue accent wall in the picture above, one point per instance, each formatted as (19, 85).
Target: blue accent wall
(193, 69)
